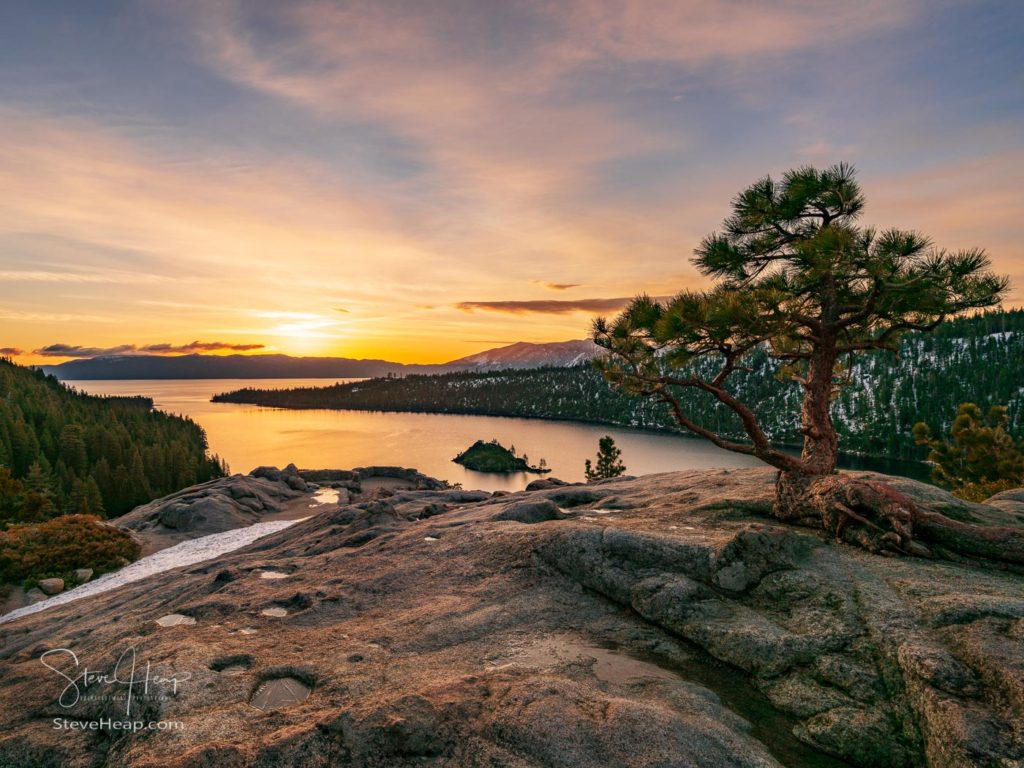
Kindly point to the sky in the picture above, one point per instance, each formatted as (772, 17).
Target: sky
(418, 181)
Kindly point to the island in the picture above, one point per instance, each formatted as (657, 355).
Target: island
(494, 457)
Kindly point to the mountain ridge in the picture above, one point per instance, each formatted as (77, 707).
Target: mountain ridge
(519, 355)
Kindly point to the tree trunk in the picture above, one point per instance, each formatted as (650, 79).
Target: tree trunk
(821, 444)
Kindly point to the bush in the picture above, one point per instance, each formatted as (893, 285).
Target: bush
(58, 546)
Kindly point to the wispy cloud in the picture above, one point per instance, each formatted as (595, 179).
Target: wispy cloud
(197, 346)
(560, 286)
(11, 351)
(545, 307)
(75, 350)
(15, 315)
(97, 276)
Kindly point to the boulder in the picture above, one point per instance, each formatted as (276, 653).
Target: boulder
(290, 476)
(51, 586)
(544, 483)
(270, 473)
(533, 511)
(82, 575)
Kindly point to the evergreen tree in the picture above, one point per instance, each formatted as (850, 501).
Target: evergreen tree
(981, 459)
(608, 464)
(798, 279)
(71, 452)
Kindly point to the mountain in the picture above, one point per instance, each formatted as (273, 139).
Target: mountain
(523, 354)
(979, 359)
(518, 356)
(222, 367)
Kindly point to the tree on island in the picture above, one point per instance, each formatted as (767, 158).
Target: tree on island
(981, 459)
(608, 464)
(797, 277)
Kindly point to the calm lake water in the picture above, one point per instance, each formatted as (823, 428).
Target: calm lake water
(249, 436)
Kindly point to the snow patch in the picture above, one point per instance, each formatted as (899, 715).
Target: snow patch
(185, 553)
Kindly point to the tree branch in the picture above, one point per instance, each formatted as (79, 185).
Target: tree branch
(777, 459)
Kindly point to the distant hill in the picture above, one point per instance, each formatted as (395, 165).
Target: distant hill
(221, 367)
(515, 356)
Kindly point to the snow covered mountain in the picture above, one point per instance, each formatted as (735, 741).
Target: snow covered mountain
(523, 354)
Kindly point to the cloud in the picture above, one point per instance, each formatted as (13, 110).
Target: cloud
(95, 276)
(695, 31)
(560, 286)
(545, 307)
(198, 346)
(76, 351)
(53, 317)
(11, 351)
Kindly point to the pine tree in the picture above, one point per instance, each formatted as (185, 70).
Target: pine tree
(981, 459)
(608, 464)
(800, 281)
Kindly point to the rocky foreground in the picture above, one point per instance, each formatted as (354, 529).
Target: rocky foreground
(660, 621)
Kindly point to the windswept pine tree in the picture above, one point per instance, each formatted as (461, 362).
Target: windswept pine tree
(799, 280)
(64, 452)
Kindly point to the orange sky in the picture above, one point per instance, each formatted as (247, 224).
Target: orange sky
(418, 183)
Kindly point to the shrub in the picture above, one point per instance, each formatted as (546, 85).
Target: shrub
(58, 546)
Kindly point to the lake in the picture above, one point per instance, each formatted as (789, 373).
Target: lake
(248, 436)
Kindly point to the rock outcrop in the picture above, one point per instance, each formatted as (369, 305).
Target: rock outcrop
(647, 622)
(266, 493)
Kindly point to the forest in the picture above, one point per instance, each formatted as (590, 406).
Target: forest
(978, 359)
(63, 452)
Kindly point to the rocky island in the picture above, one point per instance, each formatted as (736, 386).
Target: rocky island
(494, 457)
(663, 620)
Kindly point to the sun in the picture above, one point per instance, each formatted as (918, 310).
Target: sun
(305, 337)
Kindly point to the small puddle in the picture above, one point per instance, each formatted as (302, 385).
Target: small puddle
(325, 496)
(273, 575)
(279, 692)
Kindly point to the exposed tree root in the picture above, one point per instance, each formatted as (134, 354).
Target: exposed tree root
(877, 517)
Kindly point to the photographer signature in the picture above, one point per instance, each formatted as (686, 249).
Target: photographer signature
(123, 674)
